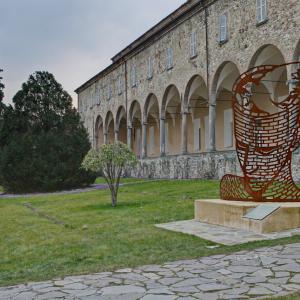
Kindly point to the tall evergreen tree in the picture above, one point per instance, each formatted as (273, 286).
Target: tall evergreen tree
(2, 105)
(42, 140)
(1, 87)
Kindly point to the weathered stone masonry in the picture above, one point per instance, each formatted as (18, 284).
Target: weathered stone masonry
(176, 115)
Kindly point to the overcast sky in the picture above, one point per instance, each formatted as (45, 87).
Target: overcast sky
(73, 39)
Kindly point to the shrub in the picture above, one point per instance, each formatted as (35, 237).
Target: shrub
(111, 160)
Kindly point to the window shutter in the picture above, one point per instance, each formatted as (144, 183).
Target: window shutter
(169, 58)
(150, 68)
(133, 76)
(193, 44)
(263, 9)
(120, 85)
(223, 28)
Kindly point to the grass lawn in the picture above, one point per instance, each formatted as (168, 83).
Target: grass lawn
(84, 234)
(101, 180)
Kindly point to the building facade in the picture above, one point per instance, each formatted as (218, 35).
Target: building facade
(168, 94)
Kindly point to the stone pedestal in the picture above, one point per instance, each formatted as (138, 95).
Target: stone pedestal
(231, 214)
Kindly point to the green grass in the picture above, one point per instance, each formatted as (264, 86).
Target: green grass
(97, 237)
(295, 296)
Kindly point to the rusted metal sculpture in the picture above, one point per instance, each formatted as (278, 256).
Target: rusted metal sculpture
(264, 141)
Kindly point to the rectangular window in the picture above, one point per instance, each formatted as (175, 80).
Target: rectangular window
(228, 128)
(98, 95)
(193, 44)
(120, 88)
(109, 91)
(150, 68)
(223, 28)
(169, 58)
(133, 76)
(91, 100)
(261, 10)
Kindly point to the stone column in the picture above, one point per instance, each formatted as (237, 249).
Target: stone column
(144, 140)
(184, 116)
(116, 135)
(292, 83)
(105, 139)
(162, 137)
(129, 137)
(212, 125)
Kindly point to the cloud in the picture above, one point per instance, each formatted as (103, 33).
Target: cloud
(73, 39)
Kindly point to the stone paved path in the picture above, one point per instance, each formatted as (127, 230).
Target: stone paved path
(243, 275)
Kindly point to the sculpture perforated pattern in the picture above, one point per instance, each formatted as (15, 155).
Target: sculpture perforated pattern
(265, 141)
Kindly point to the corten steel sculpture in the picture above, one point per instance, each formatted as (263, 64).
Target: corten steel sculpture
(264, 141)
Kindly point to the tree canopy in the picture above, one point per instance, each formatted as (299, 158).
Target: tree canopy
(42, 140)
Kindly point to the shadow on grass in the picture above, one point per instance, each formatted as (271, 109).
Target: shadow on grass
(107, 206)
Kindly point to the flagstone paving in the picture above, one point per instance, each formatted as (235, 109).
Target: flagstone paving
(260, 273)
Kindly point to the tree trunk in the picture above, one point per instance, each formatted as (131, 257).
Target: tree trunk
(113, 197)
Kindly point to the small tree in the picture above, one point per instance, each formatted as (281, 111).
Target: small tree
(111, 160)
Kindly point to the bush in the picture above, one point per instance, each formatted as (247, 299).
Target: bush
(111, 160)
(42, 140)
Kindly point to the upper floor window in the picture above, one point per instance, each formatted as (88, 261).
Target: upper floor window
(133, 76)
(193, 44)
(98, 100)
(120, 88)
(261, 10)
(109, 91)
(169, 58)
(149, 68)
(223, 28)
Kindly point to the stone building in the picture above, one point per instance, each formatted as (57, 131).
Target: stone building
(168, 94)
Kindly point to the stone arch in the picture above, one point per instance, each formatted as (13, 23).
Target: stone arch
(196, 106)
(171, 110)
(151, 119)
(121, 124)
(135, 120)
(222, 86)
(267, 54)
(296, 57)
(109, 128)
(99, 133)
(275, 84)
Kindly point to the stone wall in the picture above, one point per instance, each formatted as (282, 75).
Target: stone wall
(210, 165)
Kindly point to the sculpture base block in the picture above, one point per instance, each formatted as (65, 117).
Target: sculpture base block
(231, 214)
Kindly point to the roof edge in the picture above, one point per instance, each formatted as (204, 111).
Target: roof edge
(158, 28)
